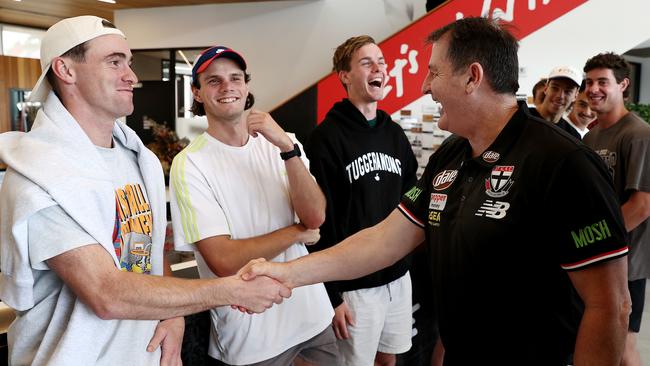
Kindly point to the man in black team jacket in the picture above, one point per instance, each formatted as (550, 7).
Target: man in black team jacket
(520, 220)
(364, 163)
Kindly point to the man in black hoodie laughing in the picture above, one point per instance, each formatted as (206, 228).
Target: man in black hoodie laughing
(364, 164)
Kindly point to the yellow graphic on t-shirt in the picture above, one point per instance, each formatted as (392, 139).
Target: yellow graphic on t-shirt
(133, 232)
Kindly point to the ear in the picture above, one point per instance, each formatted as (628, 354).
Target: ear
(624, 84)
(195, 93)
(343, 77)
(474, 76)
(64, 70)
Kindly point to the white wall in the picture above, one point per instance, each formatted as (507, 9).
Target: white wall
(288, 45)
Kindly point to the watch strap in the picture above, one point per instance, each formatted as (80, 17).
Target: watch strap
(290, 154)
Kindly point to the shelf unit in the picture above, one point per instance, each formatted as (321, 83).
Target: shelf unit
(423, 132)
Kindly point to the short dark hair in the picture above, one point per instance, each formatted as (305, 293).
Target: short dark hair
(610, 60)
(199, 110)
(482, 40)
(77, 54)
(539, 85)
(581, 89)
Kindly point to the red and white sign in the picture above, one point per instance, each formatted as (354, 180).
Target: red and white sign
(407, 56)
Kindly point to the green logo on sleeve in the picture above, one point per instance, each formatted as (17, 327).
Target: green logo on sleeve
(413, 194)
(591, 234)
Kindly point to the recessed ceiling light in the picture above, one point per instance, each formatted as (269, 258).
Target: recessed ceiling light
(107, 1)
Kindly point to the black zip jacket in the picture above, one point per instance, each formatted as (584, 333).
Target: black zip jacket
(363, 172)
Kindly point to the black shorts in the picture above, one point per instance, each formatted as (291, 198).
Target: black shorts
(637, 293)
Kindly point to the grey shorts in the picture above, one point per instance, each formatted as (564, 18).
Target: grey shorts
(321, 350)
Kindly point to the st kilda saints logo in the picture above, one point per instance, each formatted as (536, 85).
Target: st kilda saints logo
(444, 179)
(500, 181)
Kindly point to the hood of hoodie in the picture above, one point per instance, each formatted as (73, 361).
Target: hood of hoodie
(58, 157)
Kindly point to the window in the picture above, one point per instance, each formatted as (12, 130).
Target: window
(21, 42)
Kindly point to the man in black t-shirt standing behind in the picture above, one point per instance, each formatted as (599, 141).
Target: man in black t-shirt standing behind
(519, 220)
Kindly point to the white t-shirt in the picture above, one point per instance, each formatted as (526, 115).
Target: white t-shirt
(59, 329)
(243, 192)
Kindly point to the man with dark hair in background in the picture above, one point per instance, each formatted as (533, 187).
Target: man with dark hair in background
(580, 114)
(364, 163)
(237, 191)
(513, 243)
(538, 92)
(82, 220)
(622, 139)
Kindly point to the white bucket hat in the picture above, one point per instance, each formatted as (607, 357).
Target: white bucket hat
(63, 36)
(567, 72)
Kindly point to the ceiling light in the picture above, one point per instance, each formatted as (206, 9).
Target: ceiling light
(108, 1)
(185, 58)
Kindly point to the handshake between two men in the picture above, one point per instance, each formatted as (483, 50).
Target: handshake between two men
(264, 283)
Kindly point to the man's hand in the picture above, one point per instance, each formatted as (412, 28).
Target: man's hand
(260, 267)
(342, 317)
(262, 122)
(308, 236)
(169, 336)
(257, 294)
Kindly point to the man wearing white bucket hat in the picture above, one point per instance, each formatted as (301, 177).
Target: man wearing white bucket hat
(560, 91)
(82, 220)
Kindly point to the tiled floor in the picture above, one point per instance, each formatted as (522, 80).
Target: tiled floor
(644, 335)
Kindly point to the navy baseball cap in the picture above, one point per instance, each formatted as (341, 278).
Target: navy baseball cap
(206, 57)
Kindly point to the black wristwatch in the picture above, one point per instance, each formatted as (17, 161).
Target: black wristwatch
(290, 154)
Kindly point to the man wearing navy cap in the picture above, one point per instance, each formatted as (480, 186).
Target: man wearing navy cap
(240, 191)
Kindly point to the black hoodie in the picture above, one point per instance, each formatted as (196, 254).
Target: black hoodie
(363, 171)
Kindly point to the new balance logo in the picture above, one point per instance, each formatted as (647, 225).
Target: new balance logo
(493, 209)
